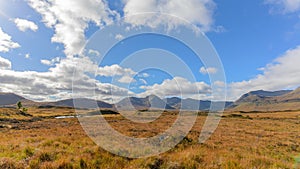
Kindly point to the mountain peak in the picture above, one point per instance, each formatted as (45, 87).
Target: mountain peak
(9, 99)
(263, 93)
(152, 96)
(151, 101)
(261, 100)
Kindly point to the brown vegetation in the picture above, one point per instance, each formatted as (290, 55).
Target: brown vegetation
(252, 140)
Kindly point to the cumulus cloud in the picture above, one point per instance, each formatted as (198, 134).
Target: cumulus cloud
(219, 83)
(94, 52)
(114, 70)
(59, 81)
(24, 25)
(6, 42)
(50, 62)
(27, 56)
(198, 12)
(70, 18)
(124, 75)
(69, 24)
(143, 75)
(5, 64)
(178, 86)
(126, 79)
(282, 73)
(286, 6)
(119, 37)
(209, 70)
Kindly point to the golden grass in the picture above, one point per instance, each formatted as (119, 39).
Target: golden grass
(254, 140)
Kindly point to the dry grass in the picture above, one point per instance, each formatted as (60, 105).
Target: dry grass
(254, 140)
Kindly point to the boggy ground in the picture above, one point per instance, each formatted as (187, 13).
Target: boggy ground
(253, 140)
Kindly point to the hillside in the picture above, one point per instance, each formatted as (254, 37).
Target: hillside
(10, 100)
(7, 99)
(293, 96)
(83, 103)
(268, 101)
(253, 101)
(149, 102)
(192, 104)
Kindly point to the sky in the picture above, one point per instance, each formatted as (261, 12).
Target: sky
(41, 42)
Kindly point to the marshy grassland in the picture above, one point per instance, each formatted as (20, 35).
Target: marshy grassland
(242, 140)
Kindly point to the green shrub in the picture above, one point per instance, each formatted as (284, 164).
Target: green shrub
(28, 152)
(46, 156)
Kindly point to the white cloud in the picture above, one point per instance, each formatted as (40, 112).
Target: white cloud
(5, 64)
(65, 15)
(119, 37)
(283, 73)
(220, 29)
(24, 25)
(177, 86)
(286, 6)
(125, 75)
(219, 83)
(70, 18)
(6, 42)
(144, 75)
(94, 52)
(27, 56)
(126, 79)
(209, 70)
(143, 81)
(50, 62)
(46, 62)
(198, 12)
(59, 81)
(114, 70)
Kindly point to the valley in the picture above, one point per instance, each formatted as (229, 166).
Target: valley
(260, 130)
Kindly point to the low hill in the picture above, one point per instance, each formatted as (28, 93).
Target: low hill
(293, 96)
(7, 99)
(83, 103)
(268, 101)
(192, 104)
(260, 95)
(10, 100)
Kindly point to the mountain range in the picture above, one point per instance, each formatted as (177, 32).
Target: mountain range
(253, 101)
(149, 102)
(268, 101)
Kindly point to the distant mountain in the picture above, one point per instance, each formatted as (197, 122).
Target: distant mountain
(83, 103)
(293, 96)
(253, 101)
(268, 101)
(192, 104)
(80, 103)
(149, 102)
(9, 99)
(173, 102)
(131, 103)
(260, 95)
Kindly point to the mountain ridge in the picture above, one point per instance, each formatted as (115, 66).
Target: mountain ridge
(268, 101)
(149, 102)
(259, 100)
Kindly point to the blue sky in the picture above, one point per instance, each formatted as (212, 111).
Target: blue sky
(257, 42)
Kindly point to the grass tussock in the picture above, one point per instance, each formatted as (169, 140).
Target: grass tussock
(254, 140)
